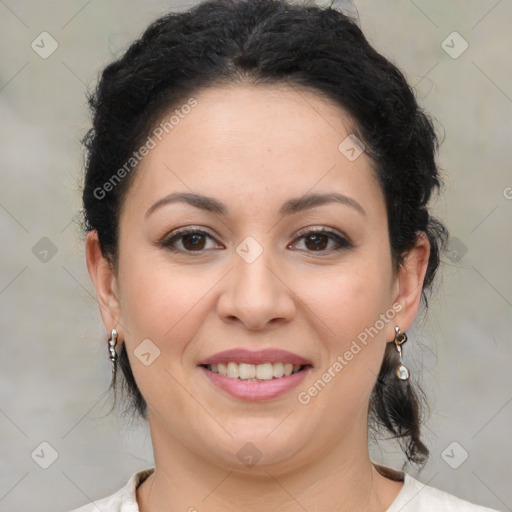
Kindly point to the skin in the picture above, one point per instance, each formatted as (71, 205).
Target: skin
(253, 148)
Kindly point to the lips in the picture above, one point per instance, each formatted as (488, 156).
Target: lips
(291, 370)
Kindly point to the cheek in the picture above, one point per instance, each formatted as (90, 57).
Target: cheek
(167, 306)
(351, 311)
(350, 299)
(353, 353)
(162, 302)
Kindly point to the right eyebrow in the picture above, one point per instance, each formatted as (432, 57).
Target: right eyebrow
(199, 201)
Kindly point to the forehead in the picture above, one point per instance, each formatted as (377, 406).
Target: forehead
(246, 140)
(266, 117)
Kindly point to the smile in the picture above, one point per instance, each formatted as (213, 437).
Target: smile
(255, 372)
(255, 375)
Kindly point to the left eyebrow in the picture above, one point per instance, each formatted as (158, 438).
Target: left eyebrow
(313, 200)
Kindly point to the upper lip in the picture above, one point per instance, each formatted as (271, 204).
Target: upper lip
(269, 355)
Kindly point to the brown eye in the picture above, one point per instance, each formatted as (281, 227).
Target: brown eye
(193, 242)
(190, 240)
(323, 241)
(316, 241)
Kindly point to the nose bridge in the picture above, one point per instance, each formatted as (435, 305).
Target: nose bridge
(255, 275)
(254, 294)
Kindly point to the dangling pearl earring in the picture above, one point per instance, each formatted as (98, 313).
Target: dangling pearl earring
(402, 372)
(112, 342)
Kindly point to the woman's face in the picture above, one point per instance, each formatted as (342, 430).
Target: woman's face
(254, 173)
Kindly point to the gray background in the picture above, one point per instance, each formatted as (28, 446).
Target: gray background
(54, 366)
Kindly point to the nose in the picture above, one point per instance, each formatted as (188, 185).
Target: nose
(256, 295)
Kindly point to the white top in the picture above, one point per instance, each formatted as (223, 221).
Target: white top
(413, 497)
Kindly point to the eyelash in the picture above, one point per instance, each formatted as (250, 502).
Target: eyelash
(169, 242)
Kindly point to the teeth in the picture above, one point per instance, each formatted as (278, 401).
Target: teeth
(233, 370)
(278, 369)
(265, 371)
(247, 371)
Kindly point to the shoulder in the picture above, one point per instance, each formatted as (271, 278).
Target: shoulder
(419, 497)
(124, 500)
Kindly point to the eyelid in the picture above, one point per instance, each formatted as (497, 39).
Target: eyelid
(189, 229)
(177, 233)
(322, 229)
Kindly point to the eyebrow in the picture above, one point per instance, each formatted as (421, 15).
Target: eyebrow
(290, 207)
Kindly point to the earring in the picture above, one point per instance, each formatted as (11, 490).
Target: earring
(402, 372)
(112, 342)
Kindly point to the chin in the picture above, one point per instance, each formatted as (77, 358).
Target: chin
(269, 449)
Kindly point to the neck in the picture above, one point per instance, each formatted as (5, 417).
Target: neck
(342, 480)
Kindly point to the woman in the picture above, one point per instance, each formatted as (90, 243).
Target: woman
(256, 201)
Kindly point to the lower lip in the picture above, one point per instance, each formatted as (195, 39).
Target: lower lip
(256, 391)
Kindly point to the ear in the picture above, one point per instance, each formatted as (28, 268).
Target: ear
(105, 282)
(409, 284)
